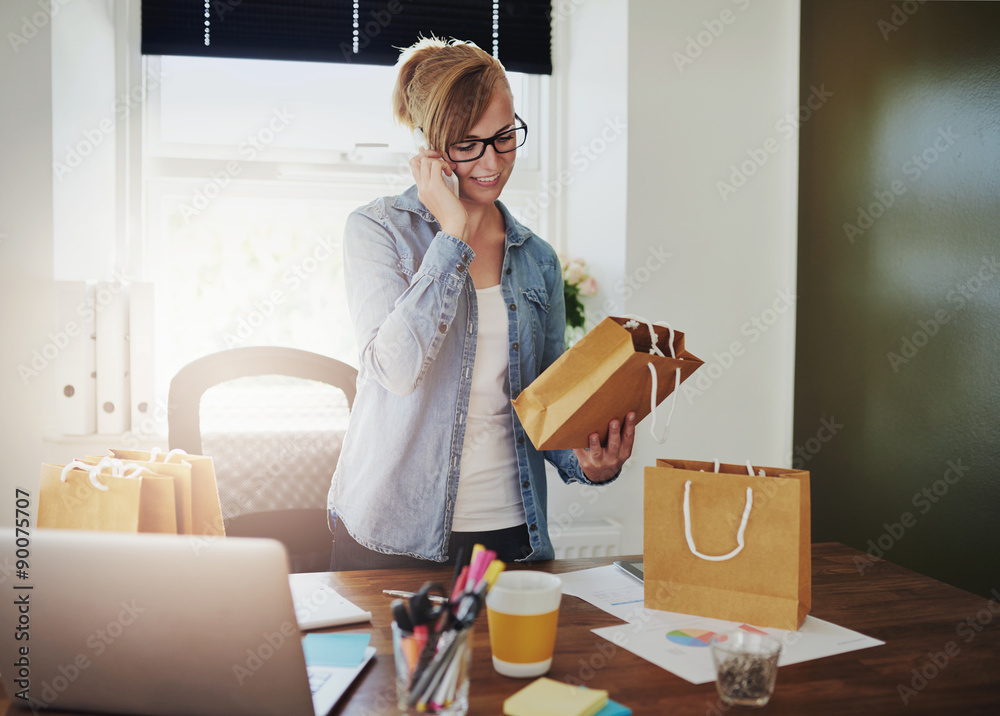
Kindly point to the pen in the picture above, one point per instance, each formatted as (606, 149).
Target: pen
(406, 595)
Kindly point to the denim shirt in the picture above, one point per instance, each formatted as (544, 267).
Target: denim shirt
(413, 307)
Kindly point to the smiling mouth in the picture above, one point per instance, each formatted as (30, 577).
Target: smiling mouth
(487, 180)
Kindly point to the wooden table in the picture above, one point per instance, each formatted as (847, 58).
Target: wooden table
(942, 651)
(919, 618)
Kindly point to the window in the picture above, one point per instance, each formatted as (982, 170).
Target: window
(250, 170)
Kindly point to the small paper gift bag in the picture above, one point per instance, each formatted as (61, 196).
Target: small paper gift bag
(619, 366)
(205, 511)
(180, 472)
(729, 542)
(104, 497)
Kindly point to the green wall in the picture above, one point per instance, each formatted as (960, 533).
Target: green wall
(897, 387)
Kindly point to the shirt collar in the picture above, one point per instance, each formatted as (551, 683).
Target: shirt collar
(517, 233)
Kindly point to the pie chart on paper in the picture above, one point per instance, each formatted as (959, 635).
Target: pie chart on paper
(690, 637)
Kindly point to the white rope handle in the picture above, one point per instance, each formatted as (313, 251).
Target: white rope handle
(93, 470)
(739, 533)
(634, 322)
(118, 469)
(652, 403)
(154, 453)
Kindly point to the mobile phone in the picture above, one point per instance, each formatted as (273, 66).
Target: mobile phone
(421, 142)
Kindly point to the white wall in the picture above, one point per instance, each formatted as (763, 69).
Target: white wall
(691, 117)
(26, 301)
(640, 193)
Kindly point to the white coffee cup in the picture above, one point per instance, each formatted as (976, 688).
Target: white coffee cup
(522, 609)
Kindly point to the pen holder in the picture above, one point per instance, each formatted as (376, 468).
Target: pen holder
(432, 676)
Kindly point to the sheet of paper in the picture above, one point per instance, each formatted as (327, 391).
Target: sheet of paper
(347, 650)
(679, 642)
(607, 588)
(318, 604)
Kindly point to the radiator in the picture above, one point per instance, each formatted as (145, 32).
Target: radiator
(590, 537)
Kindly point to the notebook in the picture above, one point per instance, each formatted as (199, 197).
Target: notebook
(157, 624)
(319, 605)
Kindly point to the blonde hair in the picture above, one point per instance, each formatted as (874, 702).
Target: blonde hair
(444, 88)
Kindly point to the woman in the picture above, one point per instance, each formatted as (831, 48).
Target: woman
(456, 307)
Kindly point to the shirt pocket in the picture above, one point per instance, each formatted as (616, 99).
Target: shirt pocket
(536, 303)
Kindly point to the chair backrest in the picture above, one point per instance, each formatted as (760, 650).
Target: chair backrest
(191, 382)
(271, 483)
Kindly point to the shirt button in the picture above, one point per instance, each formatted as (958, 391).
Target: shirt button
(443, 328)
(525, 484)
(515, 346)
(507, 271)
(520, 440)
(533, 527)
(465, 257)
(461, 268)
(513, 306)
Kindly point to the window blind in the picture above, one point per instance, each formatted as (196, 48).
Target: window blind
(518, 32)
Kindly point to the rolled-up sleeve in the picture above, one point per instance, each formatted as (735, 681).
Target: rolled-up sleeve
(401, 310)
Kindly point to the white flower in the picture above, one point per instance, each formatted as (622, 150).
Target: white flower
(575, 272)
(588, 286)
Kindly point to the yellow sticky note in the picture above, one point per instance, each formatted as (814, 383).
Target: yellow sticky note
(547, 697)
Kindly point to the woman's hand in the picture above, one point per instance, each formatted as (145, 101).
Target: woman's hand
(600, 464)
(435, 194)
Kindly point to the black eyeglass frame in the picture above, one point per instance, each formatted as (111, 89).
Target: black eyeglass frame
(491, 142)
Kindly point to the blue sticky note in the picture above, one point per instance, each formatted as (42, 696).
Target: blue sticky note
(613, 708)
(335, 649)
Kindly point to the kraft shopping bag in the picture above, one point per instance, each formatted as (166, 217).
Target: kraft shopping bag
(180, 472)
(206, 511)
(616, 368)
(100, 497)
(729, 542)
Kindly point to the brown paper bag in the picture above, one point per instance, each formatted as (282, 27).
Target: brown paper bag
(140, 503)
(603, 376)
(707, 553)
(206, 512)
(180, 472)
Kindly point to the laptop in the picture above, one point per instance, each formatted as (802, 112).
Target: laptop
(156, 624)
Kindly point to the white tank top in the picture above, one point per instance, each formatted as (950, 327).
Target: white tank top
(489, 491)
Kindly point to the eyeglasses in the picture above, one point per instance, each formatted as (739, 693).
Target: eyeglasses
(507, 141)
